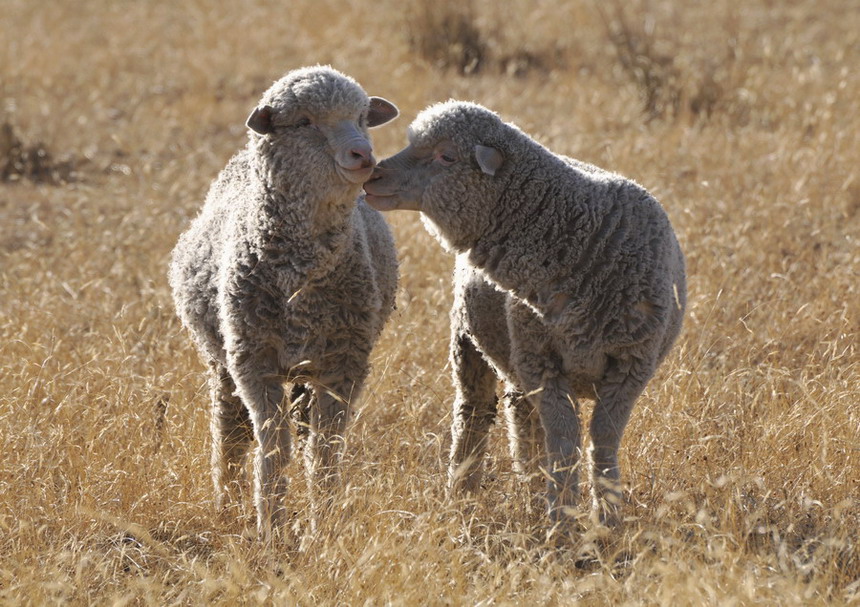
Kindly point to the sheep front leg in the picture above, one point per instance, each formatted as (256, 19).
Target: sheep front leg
(231, 432)
(623, 383)
(539, 367)
(559, 417)
(474, 413)
(262, 392)
(328, 422)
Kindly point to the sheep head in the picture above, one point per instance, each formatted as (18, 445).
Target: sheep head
(324, 116)
(453, 169)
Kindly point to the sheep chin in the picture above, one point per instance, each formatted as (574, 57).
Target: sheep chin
(354, 176)
(381, 202)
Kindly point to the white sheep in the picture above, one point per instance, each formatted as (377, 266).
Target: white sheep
(286, 275)
(569, 284)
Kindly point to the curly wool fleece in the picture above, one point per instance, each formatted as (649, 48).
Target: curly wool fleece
(287, 275)
(570, 284)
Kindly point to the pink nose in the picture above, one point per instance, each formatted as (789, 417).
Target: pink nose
(361, 157)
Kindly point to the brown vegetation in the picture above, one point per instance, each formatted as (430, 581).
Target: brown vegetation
(742, 457)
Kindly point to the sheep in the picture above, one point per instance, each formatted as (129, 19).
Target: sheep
(569, 284)
(287, 276)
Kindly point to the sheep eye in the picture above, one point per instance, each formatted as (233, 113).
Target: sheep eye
(301, 122)
(446, 159)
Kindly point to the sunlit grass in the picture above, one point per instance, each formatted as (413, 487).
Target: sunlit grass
(742, 459)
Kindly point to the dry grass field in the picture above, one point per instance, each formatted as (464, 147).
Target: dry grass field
(742, 460)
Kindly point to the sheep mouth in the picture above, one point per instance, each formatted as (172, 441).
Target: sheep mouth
(381, 202)
(378, 197)
(354, 176)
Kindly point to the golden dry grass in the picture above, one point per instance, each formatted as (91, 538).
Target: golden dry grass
(742, 459)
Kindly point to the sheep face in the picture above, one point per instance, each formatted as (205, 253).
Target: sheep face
(451, 171)
(323, 116)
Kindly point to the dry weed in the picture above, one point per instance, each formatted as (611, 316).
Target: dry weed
(742, 457)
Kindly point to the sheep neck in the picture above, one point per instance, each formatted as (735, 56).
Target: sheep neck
(306, 229)
(556, 236)
(527, 211)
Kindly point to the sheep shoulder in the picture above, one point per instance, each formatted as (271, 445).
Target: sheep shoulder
(585, 248)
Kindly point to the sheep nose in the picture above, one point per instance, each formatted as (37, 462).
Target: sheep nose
(362, 157)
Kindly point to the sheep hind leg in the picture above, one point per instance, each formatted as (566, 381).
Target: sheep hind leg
(622, 385)
(301, 402)
(232, 434)
(525, 434)
(474, 413)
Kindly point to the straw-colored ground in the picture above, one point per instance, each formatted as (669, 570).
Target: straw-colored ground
(742, 459)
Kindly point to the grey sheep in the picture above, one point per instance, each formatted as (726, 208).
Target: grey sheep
(286, 275)
(569, 284)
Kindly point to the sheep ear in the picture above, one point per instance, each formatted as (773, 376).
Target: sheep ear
(260, 120)
(489, 159)
(381, 111)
